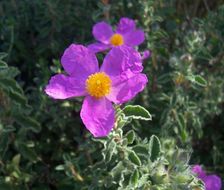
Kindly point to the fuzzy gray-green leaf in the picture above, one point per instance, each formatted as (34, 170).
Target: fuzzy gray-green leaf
(130, 136)
(134, 158)
(137, 112)
(154, 147)
(134, 177)
(200, 80)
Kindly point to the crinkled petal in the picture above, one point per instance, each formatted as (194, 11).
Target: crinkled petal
(62, 87)
(98, 47)
(98, 115)
(134, 38)
(79, 61)
(122, 62)
(212, 182)
(125, 25)
(102, 32)
(123, 91)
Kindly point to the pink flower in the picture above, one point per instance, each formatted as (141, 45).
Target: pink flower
(126, 33)
(212, 182)
(118, 80)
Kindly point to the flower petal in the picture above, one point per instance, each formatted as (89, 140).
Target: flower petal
(62, 87)
(98, 47)
(102, 32)
(79, 61)
(125, 25)
(123, 91)
(197, 169)
(122, 62)
(98, 115)
(212, 182)
(134, 38)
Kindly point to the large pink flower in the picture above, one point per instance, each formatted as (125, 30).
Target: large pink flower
(118, 80)
(125, 34)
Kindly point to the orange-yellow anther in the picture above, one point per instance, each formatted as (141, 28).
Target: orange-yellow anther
(117, 40)
(98, 84)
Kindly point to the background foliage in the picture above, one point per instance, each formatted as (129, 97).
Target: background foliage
(43, 143)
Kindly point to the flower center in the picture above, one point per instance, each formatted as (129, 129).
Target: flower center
(98, 84)
(117, 40)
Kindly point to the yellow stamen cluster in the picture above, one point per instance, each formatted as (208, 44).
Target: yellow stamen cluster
(117, 40)
(98, 84)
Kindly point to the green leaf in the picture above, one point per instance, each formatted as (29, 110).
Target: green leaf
(181, 121)
(16, 160)
(143, 180)
(134, 177)
(8, 129)
(28, 122)
(154, 147)
(3, 55)
(197, 79)
(141, 149)
(27, 152)
(11, 83)
(182, 178)
(130, 136)
(134, 158)
(3, 65)
(18, 98)
(117, 171)
(200, 80)
(182, 126)
(184, 135)
(137, 112)
(110, 150)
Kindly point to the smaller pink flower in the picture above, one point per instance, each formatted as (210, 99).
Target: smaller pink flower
(126, 33)
(212, 182)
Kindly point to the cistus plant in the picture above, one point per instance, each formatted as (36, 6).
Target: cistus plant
(44, 144)
(127, 161)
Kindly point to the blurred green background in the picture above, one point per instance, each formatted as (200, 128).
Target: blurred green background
(185, 94)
